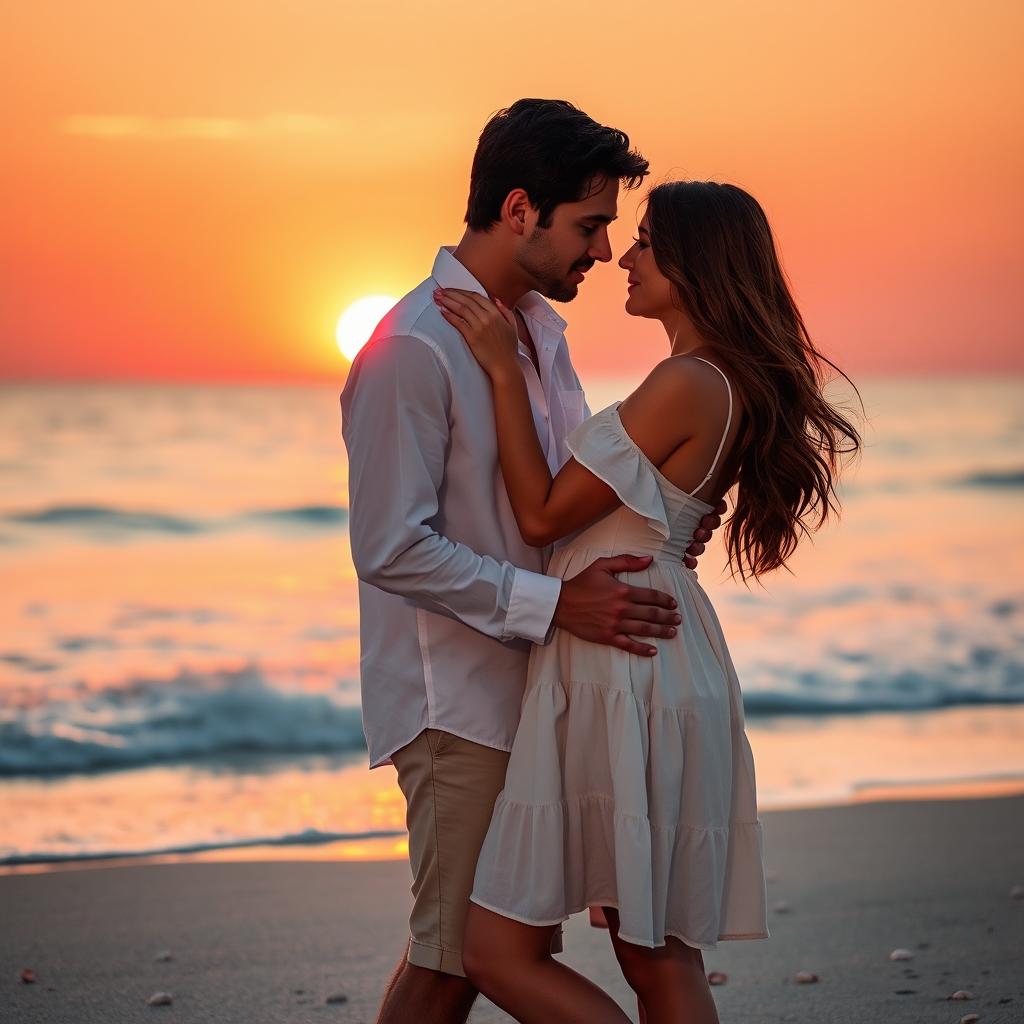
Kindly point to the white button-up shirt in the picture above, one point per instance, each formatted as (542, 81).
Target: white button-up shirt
(450, 595)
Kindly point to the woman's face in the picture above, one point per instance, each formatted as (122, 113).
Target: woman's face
(650, 292)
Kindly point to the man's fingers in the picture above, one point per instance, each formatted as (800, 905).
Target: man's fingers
(637, 627)
(623, 563)
(626, 643)
(651, 613)
(645, 598)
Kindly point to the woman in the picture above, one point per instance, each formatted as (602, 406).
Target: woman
(631, 782)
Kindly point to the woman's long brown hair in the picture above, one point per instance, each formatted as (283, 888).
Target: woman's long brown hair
(714, 243)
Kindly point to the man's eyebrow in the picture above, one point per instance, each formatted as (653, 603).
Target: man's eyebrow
(601, 218)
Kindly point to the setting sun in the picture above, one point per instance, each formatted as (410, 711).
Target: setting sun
(357, 323)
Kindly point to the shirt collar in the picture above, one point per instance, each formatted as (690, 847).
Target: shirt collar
(448, 272)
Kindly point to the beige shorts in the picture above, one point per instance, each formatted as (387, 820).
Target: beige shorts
(450, 785)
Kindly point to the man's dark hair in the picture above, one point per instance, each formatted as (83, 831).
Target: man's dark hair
(551, 150)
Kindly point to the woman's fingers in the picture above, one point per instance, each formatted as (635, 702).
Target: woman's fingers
(467, 304)
(473, 299)
(459, 308)
(481, 305)
(510, 317)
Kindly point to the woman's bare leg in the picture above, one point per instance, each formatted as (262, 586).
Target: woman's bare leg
(511, 964)
(598, 920)
(669, 981)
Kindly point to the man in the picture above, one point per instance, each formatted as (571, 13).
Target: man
(451, 597)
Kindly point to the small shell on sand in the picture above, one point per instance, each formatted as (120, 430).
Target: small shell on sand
(338, 997)
(961, 994)
(971, 1018)
(1017, 892)
(160, 999)
(782, 907)
(805, 977)
(28, 976)
(163, 957)
(901, 954)
(717, 978)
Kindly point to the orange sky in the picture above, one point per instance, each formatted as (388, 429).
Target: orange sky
(199, 190)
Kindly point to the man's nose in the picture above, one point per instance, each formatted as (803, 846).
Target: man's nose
(601, 250)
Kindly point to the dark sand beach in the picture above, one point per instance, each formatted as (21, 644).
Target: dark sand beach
(266, 942)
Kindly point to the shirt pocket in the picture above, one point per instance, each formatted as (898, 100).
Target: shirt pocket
(573, 408)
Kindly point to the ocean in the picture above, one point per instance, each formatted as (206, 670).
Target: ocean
(179, 626)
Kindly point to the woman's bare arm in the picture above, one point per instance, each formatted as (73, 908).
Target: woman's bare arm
(657, 417)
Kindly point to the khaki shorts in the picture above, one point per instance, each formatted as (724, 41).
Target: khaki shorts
(450, 785)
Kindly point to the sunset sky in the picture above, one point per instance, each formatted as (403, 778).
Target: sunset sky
(198, 191)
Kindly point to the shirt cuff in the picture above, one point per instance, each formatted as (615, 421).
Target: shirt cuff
(531, 608)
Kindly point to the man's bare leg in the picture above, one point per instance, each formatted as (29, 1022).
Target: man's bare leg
(427, 997)
(393, 980)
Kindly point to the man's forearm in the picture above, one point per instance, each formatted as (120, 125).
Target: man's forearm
(435, 573)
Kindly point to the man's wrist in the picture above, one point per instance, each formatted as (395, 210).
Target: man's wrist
(532, 606)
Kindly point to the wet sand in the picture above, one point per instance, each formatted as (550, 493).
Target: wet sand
(271, 941)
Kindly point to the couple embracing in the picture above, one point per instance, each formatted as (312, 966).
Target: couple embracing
(539, 661)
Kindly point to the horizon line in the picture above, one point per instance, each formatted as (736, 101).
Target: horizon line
(311, 380)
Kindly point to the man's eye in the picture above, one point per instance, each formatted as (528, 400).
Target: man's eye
(588, 229)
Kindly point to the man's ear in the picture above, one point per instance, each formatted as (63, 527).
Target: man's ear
(516, 210)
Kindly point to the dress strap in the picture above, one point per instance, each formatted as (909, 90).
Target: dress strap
(728, 423)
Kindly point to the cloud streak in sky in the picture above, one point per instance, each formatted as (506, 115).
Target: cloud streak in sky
(203, 128)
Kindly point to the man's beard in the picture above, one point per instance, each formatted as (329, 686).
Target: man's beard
(541, 264)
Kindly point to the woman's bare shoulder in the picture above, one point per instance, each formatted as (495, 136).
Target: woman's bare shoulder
(670, 406)
(680, 384)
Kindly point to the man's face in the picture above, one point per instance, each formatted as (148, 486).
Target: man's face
(557, 257)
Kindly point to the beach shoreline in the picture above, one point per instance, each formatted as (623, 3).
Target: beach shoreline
(271, 940)
(394, 847)
(331, 807)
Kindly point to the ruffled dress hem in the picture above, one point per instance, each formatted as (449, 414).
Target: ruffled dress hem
(703, 946)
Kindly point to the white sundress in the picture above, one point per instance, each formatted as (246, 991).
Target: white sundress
(631, 781)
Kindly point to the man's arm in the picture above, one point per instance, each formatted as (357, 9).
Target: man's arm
(395, 424)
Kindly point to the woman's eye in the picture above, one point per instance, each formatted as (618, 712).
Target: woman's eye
(640, 244)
